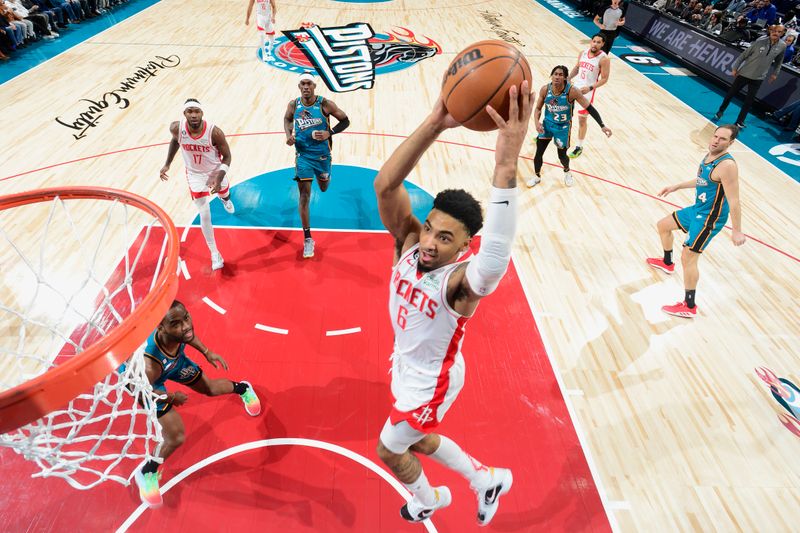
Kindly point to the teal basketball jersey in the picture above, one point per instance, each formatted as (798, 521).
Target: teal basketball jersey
(308, 119)
(710, 195)
(558, 108)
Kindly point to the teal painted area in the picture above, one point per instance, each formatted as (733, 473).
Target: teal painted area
(765, 138)
(37, 53)
(270, 200)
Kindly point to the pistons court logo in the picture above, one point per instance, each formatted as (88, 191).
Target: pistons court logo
(787, 395)
(349, 57)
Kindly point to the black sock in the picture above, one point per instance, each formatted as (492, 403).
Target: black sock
(690, 298)
(307, 233)
(151, 467)
(239, 388)
(667, 257)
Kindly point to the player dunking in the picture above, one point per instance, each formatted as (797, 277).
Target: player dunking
(165, 360)
(207, 156)
(716, 194)
(265, 21)
(589, 73)
(557, 98)
(307, 127)
(434, 290)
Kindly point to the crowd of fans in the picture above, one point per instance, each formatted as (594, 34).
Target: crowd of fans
(23, 22)
(738, 21)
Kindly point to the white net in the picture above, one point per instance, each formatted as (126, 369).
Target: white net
(73, 270)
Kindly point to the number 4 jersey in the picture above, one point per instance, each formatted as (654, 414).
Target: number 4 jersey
(427, 365)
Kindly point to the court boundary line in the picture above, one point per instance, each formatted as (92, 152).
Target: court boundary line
(266, 443)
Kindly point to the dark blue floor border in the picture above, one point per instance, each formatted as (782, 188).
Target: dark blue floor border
(37, 53)
(764, 138)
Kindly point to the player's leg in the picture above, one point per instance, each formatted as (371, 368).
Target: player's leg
(224, 194)
(269, 34)
(324, 173)
(304, 179)
(561, 138)
(538, 159)
(393, 449)
(582, 129)
(665, 227)
(489, 483)
(217, 387)
(201, 200)
(174, 433)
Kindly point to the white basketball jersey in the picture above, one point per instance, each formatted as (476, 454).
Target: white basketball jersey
(588, 69)
(263, 8)
(199, 153)
(427, 333)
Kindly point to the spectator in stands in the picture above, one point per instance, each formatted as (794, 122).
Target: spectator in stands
(696, 18)
(688, 9)
(675, 7)
(30, 34)
(788, 55)
(50, 15)
(611, 20)
(762, 58)
(15, 30)
(714, 23)
(39, 22)
(788, 116)
(736, 7)
(738, 32)
(661, 5)
(764, 14)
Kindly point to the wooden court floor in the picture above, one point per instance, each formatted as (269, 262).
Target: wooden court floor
(679, 430)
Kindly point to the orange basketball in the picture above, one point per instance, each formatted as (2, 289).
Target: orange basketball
(481, 75)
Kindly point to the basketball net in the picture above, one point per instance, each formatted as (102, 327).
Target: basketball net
(74, 270)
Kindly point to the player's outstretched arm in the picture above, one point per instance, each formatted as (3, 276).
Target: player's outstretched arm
(575, 94)
(483, 273)
(394, 204)
(174, 146)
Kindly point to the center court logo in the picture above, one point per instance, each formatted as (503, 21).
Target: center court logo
(349, 57)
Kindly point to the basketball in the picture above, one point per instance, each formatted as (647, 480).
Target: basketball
(481, 75)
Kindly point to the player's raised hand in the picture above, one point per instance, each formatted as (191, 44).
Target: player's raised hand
(440, 116)
(163, 174)
(512, 132)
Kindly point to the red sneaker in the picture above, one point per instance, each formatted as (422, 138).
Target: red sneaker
(680, 309)
(657, 262)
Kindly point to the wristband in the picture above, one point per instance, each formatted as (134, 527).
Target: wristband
(223, 167)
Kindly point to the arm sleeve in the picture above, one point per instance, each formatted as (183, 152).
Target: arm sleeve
(595, 115)
(489, 265)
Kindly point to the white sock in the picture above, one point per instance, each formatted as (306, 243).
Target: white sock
(205, 223)
(271, 41)
(453, 457)
(422, 490)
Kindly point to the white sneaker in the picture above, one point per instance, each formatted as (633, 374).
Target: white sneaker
(569, 181)
(216, 261)
(534, 181)
(416, 511)
(308, 248)
(228, 205)
(489, 496)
